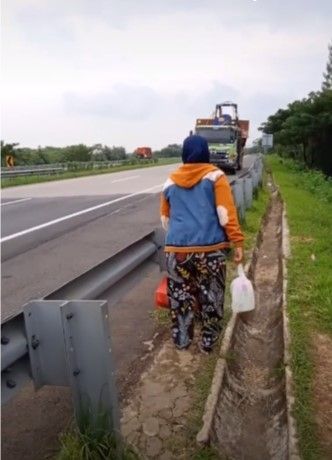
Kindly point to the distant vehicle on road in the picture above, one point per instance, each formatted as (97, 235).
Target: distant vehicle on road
(143, 153)
(226, 136)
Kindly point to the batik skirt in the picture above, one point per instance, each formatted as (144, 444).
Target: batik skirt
(196, 287)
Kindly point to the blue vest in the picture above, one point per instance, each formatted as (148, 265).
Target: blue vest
(193, 216)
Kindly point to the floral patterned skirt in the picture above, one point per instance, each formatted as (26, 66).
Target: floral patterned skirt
(196, 286)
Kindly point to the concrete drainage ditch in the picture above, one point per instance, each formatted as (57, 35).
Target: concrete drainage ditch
(248, 412)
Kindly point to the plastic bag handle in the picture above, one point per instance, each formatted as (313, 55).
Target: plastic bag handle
(240, 270)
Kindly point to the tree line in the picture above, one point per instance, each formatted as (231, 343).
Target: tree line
(171, 151)
(73, 153)
(303, 130)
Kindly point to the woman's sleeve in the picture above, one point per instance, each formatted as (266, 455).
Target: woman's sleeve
(164, 211)
(227, 212)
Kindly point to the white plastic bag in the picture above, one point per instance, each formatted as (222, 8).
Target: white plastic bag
(243, 298)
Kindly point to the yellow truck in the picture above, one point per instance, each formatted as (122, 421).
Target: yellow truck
(226, 136)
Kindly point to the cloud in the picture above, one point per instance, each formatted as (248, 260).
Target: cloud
(135, 102)
(81, 71)
(117, 13)
(123, 102)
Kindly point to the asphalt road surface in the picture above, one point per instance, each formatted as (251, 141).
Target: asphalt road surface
(52, 233)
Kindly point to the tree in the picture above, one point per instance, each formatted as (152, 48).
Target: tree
(27, 156)
(114, 153)
(304, 130)
(274, 123)
(296, 131)
(327, 82)
(53, 154)
(255, 148)
(78, 152)
(172, 150)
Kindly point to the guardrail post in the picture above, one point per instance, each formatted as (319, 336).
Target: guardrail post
(238, 193)
(254, 175)
(44, 330)
(260, 170)
(89, 361)
(69, 344)
(248, 192)
(159, 240)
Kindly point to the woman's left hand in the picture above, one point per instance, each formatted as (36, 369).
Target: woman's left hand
(238, 255)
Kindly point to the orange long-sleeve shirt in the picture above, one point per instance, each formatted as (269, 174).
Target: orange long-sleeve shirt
(189, 175)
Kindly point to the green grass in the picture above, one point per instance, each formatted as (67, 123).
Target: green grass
(92, 439)
(308, 198)
(78, 446)
(15, 181)
(161, 316)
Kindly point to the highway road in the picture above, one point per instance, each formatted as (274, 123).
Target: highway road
(64, 228)
(53, 232)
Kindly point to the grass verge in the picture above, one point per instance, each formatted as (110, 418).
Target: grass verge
(15, 181)
(308, 198)
(78, 446)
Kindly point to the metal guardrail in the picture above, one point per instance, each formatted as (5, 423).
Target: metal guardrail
(58, 168)
(64, 338)
(10, 172)
(245, 185)
(66, 342)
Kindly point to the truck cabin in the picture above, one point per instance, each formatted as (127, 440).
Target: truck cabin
(221, 135)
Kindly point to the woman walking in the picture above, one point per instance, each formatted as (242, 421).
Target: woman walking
(200, 219)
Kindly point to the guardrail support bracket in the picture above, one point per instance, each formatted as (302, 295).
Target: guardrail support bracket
(69, 344)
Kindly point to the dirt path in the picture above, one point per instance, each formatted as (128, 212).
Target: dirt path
(251, 418)
(155, 420)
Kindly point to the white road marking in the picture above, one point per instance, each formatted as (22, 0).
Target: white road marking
(15, 201)
(174, 168)
(125, 178)
(75, 214)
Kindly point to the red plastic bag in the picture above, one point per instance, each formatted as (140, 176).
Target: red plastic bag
(161, 298)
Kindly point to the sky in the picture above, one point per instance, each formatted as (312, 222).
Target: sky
(139, 72)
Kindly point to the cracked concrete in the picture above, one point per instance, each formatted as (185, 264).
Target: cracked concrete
(157, 413)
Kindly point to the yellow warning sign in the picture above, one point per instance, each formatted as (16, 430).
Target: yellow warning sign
(9, 161)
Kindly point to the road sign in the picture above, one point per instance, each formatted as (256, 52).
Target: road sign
(9, 161)
(267, 140)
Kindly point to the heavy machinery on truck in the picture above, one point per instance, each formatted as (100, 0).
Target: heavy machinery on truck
(143, 153)
(226, 136)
